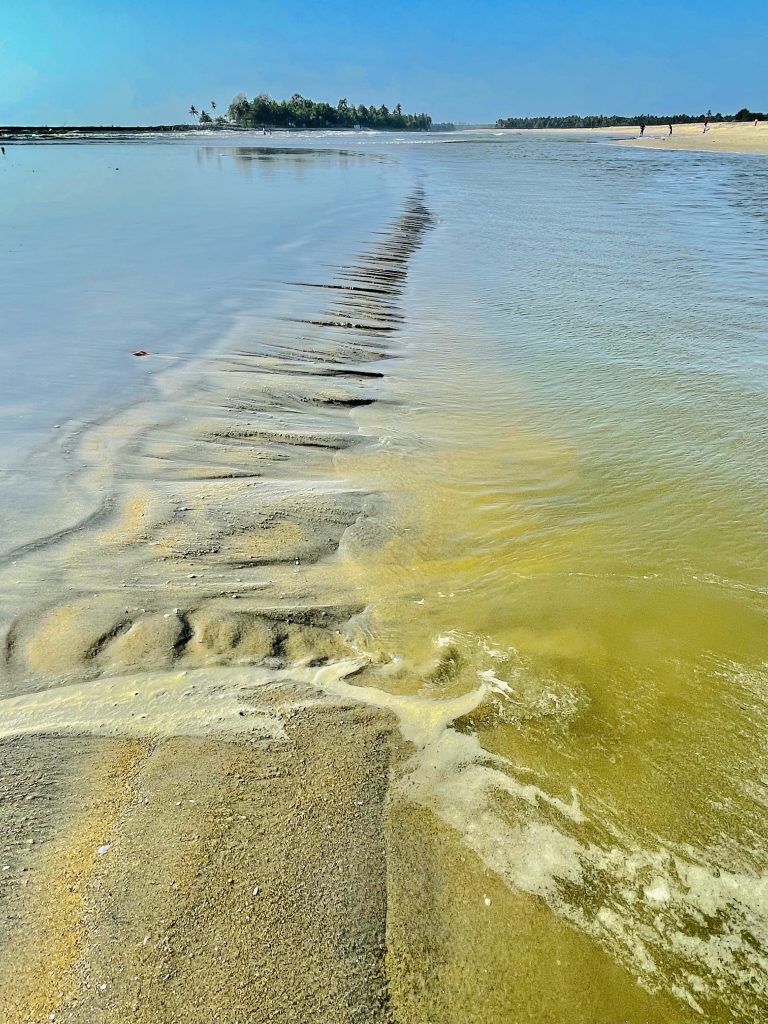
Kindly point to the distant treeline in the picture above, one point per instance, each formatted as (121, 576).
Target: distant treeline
(300, 112)
(614, 120)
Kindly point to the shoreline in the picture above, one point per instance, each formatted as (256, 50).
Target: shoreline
(195, 817)
(725, 137)
(36, 133)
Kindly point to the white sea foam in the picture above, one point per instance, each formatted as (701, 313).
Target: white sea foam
(675, 917)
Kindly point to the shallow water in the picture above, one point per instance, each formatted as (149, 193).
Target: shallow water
(570, 443)
(114, 247)
(581, 441)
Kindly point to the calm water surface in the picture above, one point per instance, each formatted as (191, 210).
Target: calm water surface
(114, 247)
(574, 451)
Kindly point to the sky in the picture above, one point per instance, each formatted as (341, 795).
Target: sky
(146, 61)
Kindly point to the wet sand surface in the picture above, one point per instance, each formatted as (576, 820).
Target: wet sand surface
(179, 845)
(209, 810)
(193, 879)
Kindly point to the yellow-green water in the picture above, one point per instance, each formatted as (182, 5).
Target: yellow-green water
(574, 453)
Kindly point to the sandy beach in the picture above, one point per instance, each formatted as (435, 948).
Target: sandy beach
(742, 137)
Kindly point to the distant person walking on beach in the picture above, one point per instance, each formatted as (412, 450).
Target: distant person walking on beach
(670, 127)
(706, 124)
(642, 130)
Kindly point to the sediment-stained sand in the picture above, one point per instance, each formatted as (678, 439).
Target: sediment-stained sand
(209, 810)
(171, 850)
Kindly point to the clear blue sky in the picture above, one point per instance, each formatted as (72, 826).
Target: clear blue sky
(145, 61)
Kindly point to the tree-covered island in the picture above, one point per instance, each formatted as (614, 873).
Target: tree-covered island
(300, 112)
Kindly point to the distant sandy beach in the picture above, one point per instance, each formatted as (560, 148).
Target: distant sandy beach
(720, 138)
(741, 137)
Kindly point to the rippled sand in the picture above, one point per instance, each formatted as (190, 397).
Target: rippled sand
(165, 817)
(212, 807)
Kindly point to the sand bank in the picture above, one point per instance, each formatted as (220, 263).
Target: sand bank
(743, 137)
(199, 879)
(174, 846)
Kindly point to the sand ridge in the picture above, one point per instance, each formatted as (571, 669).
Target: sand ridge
(219, 855)
(225, 506)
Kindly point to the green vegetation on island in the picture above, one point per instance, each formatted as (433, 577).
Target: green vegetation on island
(203, 117)
(615, 120)
(300, 112)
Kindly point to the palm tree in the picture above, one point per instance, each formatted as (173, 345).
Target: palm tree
(213, 104)
(193, 110)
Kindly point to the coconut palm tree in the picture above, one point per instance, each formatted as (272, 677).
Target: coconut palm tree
(193, 110)
(213, 104)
